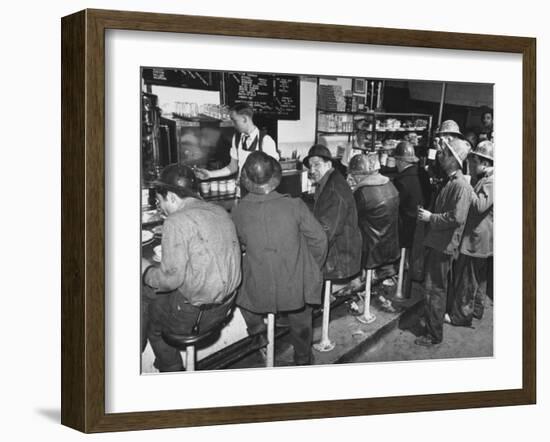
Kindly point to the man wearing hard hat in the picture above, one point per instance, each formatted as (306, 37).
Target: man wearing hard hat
(285, 250)
(199, 271)
(444, 232)
(411, 192)
(470, 281)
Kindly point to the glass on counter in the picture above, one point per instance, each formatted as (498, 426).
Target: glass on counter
(205, 188)
(223, 188)
(231, 186)
(214, 188)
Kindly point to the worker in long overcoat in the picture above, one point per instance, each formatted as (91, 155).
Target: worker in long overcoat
(377, 204)
(285, 248)
(335, 209)
(411, 195)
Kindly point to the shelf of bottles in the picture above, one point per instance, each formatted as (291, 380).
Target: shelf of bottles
(382, 132)
(194, 114)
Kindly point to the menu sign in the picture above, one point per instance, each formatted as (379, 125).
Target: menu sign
(203, 80)
(268, 94)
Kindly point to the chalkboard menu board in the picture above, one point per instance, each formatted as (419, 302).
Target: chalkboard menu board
(204, 80)
(268, 94)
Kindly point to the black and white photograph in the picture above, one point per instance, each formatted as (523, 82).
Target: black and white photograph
(303, 220)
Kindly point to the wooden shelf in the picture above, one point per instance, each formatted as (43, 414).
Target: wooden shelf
(335, 133)
(335, 112)
(401, 130)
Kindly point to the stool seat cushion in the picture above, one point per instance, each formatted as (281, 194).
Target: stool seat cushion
(209, 320)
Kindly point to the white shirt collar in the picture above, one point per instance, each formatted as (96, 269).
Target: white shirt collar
(255, 132)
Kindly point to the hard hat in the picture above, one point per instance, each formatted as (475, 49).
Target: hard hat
(459, 148)
(178, 178)
(364, 164)
(484, 149)
(405, 152)
(449, 127)
(261, 173)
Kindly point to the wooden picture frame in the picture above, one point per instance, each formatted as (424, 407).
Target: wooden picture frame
(83, 220)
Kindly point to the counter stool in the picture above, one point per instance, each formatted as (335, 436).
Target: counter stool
(325, 345)
(399, 292)
(270, 340)
(188, 342)
(367, 317)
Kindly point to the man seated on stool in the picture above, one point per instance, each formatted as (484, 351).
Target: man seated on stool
(335, 209)
(377, 206)
(200, 264)
(285, 249)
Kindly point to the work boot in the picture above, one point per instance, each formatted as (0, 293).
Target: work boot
(426, 341)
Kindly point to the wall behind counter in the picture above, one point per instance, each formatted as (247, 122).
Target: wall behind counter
(293, 135)
(299, 134)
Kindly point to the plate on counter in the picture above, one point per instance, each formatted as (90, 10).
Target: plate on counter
(150, 216)
(146, 236)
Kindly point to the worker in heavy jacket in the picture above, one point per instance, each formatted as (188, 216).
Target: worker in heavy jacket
(285, 248)
(470, 279)
(335, 209)
(199, 271)
(445, 226)
(377, 202)
(407, 183)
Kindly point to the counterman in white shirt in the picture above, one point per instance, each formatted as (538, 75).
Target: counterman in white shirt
(247, 139)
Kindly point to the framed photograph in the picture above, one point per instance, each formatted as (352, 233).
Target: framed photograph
(162, 121)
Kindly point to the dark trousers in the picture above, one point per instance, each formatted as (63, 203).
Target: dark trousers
(300, 329)
(489, 278)
(170, 313)
(387, 270)
(438, 275)
(470, 288)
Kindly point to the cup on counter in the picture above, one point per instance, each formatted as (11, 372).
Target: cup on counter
(231, 187)
(223, 187)
(214, 188)
(205, 188)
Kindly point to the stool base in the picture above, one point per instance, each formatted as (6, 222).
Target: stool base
(324, 346)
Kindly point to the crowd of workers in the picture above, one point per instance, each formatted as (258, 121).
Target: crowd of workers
(273, 253)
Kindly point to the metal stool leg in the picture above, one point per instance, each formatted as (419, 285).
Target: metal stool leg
(367, 316)
(190, 358)
(270, 340)
(399, 291)
(325, 344)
